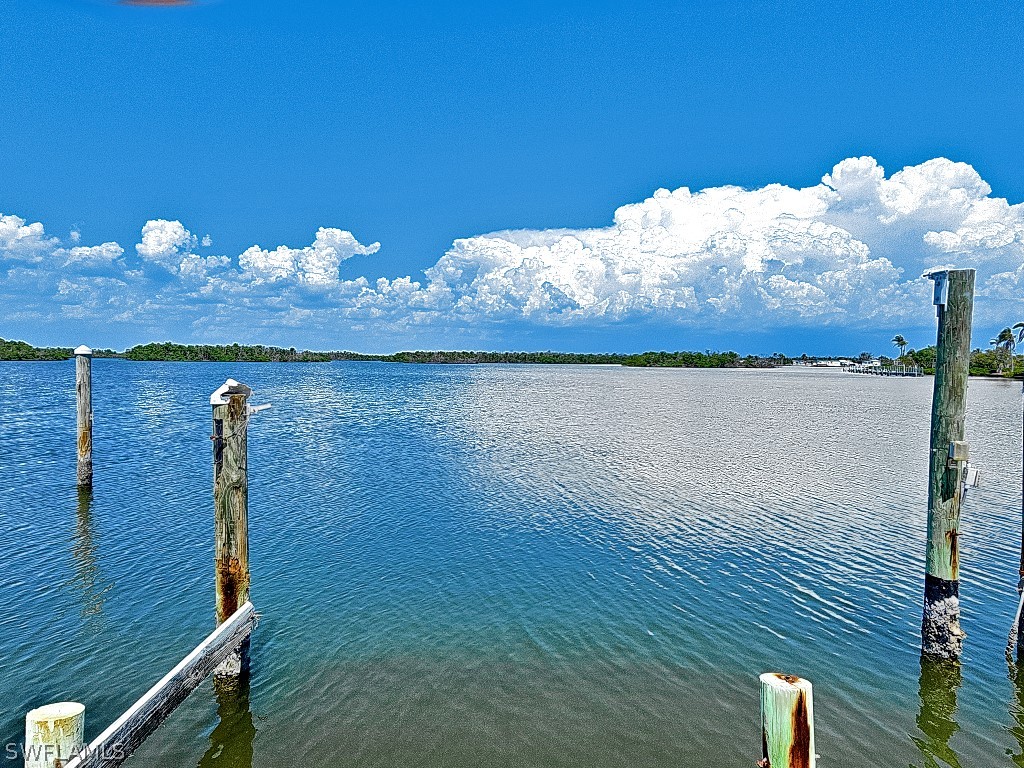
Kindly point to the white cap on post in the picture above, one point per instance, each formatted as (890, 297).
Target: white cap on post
(224, 391)
(54, 734)
(83, 350)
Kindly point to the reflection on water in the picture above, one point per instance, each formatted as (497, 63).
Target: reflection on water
(231, 741)
(491, 566)
(939, 683)
(1017, 714)
(87, 579)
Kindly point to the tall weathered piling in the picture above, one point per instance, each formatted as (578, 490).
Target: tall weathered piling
(941, 635)
(787, 722)
(83, 395)
(231, 506)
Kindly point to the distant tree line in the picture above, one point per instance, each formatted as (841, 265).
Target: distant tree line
(221, 353)
(556, 358)
(19, 350)
(702, 360)
(984, 362)
(644, 360)
(238, 353)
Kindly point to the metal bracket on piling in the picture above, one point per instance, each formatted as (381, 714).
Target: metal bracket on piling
(959, 453)
(940, 277)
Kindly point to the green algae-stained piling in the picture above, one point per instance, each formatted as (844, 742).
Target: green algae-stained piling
(941, 635)
(53, 734)
(787, 722)
(83, 395)
(231, 505)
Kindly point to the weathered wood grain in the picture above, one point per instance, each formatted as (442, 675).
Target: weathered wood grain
(117, 743)
(231, 496)
(941, 635)
(83, 396)
(52, 733)
(787, 722)
(231, 508)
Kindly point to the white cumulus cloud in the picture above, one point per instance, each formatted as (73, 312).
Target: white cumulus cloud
(849, 250)
(845, 253)
(91, 255)
(314, 265)
(23, 241)
(165, 243)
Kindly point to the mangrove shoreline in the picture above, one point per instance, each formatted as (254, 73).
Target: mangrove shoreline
(983, 362)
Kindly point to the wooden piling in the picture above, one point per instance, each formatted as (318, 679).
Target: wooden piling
(941, 635)
(54, 734)
(787, 722)
(231, 506)
(83, 392)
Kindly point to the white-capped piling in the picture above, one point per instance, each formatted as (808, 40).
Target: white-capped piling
(787, 722)
(54, 734)
(231, 505)
(83, 395)
(941, 635)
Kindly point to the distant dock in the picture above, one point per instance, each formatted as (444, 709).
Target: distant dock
(885, 370)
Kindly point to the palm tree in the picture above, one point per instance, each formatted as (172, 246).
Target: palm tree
(899, 341)
(994, 343)
(1005, 343)
(1019, 328)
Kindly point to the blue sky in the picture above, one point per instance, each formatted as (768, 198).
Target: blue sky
(316, 131)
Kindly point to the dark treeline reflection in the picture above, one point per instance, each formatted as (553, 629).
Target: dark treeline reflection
(1017, 709)
(937, 688)
(231, 741)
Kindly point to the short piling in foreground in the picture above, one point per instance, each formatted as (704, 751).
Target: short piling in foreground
(118, 741)
(941, 635)
(83, 395)
(231, 506)
(54, 734)
(787, 722)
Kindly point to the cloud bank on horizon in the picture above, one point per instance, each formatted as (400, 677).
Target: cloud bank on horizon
(845, 253)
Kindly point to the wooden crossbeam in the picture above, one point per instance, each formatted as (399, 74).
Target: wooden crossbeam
(117, 743)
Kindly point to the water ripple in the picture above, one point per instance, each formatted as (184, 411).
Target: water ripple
(484, 565)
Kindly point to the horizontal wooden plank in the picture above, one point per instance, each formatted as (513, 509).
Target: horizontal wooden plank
(116, 744)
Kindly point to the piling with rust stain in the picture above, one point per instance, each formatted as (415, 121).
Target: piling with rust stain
(231, 504)
(941, 635)
(83, 395)
(787, 722)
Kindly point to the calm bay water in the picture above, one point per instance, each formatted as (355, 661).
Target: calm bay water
(505, 565)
